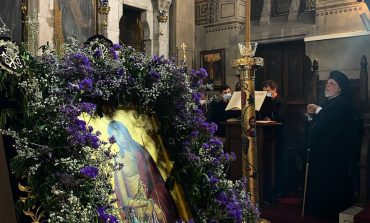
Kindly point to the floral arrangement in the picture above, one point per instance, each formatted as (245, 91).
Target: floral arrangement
(67, 168)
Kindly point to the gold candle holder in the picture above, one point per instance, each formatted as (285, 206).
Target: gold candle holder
(247, 65)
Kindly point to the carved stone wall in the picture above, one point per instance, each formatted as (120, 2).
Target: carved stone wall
(156, 34)
(220, 25)
(339, 16)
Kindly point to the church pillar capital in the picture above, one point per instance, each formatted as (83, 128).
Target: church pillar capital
(266, 12)
(164, 5)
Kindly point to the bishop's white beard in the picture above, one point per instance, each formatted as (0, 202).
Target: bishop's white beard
(330, 95)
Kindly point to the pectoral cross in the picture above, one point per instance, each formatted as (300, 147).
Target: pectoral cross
(183, 46)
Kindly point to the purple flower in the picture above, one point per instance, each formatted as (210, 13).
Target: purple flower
(70, 111)
(106, 217)
(87, 107)
(97, 53)
(215, 142)
(85, 84)
(222, 198)
(213, 180)
(81, 61)
(198, 111)
(116, 46)
(120, 72)
(94, 141)
(212, 127)
(114, 54)
(194, 134)
(199, 74)
(90, 171)
(203, 72)
(154, 74)
(192, 157)
(112, 140)
(233, 156)
(81, 124)
(206, 145)
(158, 59)
(155, 59)
(216, 161)
(196, 97)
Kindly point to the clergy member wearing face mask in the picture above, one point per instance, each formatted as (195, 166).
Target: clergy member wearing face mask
(329, 189)
(273, 107)
(217, 113)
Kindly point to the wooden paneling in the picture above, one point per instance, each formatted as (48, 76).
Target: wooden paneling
(7, 212)
(286, 64)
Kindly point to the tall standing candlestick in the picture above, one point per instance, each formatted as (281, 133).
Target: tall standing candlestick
(247, 65)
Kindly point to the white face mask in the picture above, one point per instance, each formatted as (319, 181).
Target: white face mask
(226, 96)
(269, 94)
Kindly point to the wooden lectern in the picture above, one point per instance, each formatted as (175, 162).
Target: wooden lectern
(266, 154)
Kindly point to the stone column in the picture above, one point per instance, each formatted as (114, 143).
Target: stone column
(266, 12)
(161, 27)
(38, 14)
(294, 10)
(103, 11)
(182, 31)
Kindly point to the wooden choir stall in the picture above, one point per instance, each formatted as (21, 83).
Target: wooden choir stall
(267, 140)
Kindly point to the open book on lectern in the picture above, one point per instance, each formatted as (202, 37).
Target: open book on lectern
(235, 102)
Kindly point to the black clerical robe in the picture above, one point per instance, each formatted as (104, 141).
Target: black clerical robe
(273, 108)
(329, 188)
(217, 114)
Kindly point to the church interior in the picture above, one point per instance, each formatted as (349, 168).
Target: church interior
(108, 111)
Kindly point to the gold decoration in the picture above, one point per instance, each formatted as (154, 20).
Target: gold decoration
(183, 46)
(104, 10)
(24, 188)
(162, 17)
(58, 29)
(24, 7)
(247, 65)
(35, 216)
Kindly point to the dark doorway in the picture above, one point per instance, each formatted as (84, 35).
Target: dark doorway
(131, 31)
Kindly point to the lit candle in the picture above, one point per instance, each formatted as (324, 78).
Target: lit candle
(247, 23)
